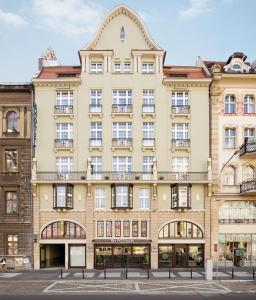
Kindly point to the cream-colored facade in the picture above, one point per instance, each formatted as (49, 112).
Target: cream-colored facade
(121, 174)
(233, 151)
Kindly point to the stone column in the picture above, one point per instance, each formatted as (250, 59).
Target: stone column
(83, 63)
(89, 229)
(66, 255)
(87, 64)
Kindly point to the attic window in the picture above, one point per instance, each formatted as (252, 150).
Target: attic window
(236, 67)
(122, 34)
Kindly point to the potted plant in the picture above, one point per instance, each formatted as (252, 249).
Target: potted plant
(145, 262)
(99, 262)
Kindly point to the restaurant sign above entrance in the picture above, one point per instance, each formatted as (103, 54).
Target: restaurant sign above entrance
(121, 241)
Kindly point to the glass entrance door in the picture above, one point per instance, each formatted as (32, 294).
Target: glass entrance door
(180, 256)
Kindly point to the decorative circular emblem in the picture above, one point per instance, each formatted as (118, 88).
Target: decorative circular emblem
(165, 256)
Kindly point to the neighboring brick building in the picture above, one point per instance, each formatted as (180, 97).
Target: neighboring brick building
(121, 169)
(16, 235)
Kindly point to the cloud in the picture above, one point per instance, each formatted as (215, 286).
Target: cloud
(12, 19)
(197, 8)
(67, 16)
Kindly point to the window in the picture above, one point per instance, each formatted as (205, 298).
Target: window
(122, 34)
(230, 104)
(117, 67)
(249, 172)
(99, 197)
(12, 244)
(100, 228)
(180, 196)
(229, 175)
(117, 228)
(249, 104)
(249, 134)
(180, 131)
(148, 134)
(11, 199)
(64, 164)
(237, 212)
(135, 228)
(144, 198)
(144, 228)
(96, 164)
(96, 67)
(11, 160)
(96, 131)
(63, 230)
(127, 67)
(147, 68)
(96, 99)
(148, 164)
(122, 164)
(65, 99)
(126, 228)
(122, 99)
(108, 228)
(179, 99)
(180, 230)
(180, 164)
(12, 122)
(122, 130)
(63, 196)
(230, 138)
(121, 196)
(64, 131)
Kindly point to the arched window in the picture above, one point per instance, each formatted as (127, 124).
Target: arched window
(63, 230)
(122, 34)
(230, 104)
(12, 121)
(249, 104)
(180, 230)
(248, 172)
(229, 176)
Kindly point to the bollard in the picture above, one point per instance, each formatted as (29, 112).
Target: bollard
(232, 273)
(105, 273)
(148, 273)
(169, 273)
(61, 274)
(191, 275)
(253, 273)
(83, 273)
(126, 273)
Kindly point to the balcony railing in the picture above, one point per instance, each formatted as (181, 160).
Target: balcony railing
(63, 143)
(95, 108)
(182, 176)
(95, 142)
(63, 109)
(240, 220)
(181, 109)
(248, 186)
(249, 147)
(149, 142)
(122, 176)
(121, 108)
(148, 108)
(61, 176)
(122, 143)
(180, 143)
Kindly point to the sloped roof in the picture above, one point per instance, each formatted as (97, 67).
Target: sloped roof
(59, 72)
(189, 72)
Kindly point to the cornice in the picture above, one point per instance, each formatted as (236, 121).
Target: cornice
(186, 84)
(56, 82)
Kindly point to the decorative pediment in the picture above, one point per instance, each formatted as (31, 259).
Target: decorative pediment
(122, 10)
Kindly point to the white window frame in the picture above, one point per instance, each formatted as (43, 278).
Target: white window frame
(122, 164)
(96, 131)
(96, 164)
(144, 198)
(249, 104)
(122, 98)
(122, 130)
(147, 68)
(229, 138)
(64, 164)
(249, 133)
(179, 99)
(96, 98)
(230, 104)
(122, 195)
(180, 131)
(147, 164)
(99, 198)
(64, 98)
(96, 67)
(148, 130)
(148, 100)
(117, 67)
(64, 131)
(180, 164)
(127, 67)
(229, 175)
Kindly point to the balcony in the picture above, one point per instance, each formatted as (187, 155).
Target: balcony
(248, 149)
(95, 144)
(148, 144)
(60, 176)
(63, 144)
(122, 144)
(121, 110)
(148, 110)
(248, 187)
(180, 111)
(95, 110)
(63, 110)
(183, 177)
(180, 144)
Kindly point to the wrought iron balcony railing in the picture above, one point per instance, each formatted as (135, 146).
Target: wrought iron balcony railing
(122, 143)
(248, 147)
(121, 108)
(248, 186)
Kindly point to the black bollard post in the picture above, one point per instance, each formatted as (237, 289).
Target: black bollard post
(148, 273)
(169, 273)
(191, 274)
(61, 274)
(126, 273)
(83, 273)
(232, 273)
(253, 273)
(105, 273)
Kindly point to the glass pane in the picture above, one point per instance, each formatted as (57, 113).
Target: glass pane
(77, 256)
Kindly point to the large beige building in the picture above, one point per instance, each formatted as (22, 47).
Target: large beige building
(233, 151)
(121, 174)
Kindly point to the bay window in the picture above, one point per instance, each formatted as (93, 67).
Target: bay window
(180, 196)
(121, 195)
(63, 196)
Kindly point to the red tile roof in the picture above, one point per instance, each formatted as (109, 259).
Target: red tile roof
(59, 72)
(189, 72)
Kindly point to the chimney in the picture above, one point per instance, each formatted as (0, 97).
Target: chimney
(47, 59)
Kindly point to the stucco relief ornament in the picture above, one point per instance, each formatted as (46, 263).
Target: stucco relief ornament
(216, 90)
(216, 68)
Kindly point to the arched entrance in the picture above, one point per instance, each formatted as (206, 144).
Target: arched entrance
(62, 244)
(181, 245)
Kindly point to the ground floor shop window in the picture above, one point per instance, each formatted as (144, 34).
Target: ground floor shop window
(237, 250)
(77, 255)
(122, 256)
(180, 255)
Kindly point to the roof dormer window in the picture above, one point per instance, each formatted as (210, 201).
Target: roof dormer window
(237, 68)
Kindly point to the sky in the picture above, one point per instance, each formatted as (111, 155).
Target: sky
(186, 29)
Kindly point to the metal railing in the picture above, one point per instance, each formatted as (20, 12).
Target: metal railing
(95, 108)
(248, 185)
(61, 176)
(122, 108)
(248, 147)
(181, 109)
(182, 176)
(180, 143)
(63, 109)
(235, 221)
(63, 143)
(122, 142)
